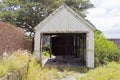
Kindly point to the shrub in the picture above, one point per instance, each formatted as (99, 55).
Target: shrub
(107, 72)
(12, 38)
(105, 51)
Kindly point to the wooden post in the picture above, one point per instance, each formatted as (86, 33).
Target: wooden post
(41, 49)
(37, 45)
(84, 47)
(90, 50)
(50, 47)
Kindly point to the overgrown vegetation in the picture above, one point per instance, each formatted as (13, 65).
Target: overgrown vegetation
(107, 72)
(14, 61)
(105, 51)
(19, 59)
(36, 72)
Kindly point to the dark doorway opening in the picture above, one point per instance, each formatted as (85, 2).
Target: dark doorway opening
(62, 45)
(68, 45)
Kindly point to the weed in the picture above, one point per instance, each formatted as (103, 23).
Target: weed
(12, 62)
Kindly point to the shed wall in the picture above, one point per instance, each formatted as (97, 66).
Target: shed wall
(64, 22)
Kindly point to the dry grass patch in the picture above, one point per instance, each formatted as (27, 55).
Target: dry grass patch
(36, 72)
(15, 61)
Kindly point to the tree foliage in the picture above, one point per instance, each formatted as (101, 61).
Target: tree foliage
(28, 13)
(105, 51)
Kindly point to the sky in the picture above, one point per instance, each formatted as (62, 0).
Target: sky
(106, 17)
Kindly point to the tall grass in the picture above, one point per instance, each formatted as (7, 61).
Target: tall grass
(107, 72)
(36, 72)
(15, 61)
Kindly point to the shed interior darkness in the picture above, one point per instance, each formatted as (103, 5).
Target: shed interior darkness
(68, 45)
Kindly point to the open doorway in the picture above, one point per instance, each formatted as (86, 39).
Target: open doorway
(71, 48)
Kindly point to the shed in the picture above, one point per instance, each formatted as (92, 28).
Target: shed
(70, 35)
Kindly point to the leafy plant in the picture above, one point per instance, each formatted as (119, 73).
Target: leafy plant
(105, 51)
(45, 54)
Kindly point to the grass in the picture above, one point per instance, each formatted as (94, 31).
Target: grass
(76, 71)
(40, 73)
(12, 62)
(19, 59)
(107, 72)
(52, 72)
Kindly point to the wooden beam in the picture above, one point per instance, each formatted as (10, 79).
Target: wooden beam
(41, 49)
(50, 46)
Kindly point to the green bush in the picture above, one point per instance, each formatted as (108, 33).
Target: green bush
(45, 54)
(107, 72)
(105, 51)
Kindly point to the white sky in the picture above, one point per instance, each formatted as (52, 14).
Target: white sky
(106, 17)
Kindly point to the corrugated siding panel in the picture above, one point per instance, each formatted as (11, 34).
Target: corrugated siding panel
(62, 22)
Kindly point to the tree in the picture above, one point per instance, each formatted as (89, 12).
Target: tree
(28, 13)
(80, 6)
